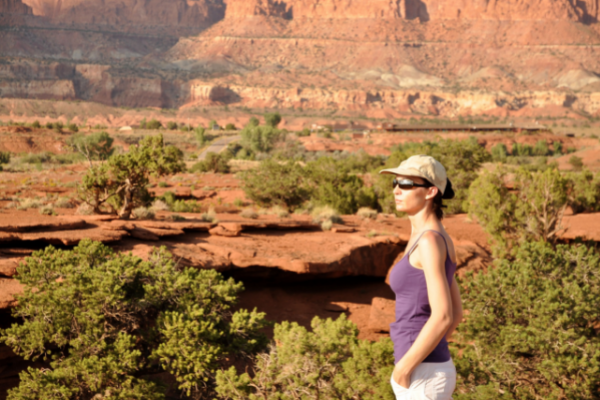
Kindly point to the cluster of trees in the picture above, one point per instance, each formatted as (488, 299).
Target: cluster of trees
(325, 181)
(112, 326)
(534, 208)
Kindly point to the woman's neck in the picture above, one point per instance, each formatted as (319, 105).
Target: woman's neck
(423, 220)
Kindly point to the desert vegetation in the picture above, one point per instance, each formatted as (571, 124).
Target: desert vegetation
(121, 327)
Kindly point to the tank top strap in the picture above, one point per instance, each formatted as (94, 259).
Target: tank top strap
(419, 238)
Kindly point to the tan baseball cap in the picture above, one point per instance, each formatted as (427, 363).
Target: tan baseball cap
(425, 167)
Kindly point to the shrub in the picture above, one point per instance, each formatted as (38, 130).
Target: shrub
(200, 136)
(4, 157)
(213, 125)
(153, 124)
(541, 148)
(120, 324)
(584, 193)
(176, 217)
(328, 363)
(499, 152)
(73, 128)
(249, 213)
(533, 213)
(523, 150)
(327, 225)
(122, 182)
(209, 216)
(303, 132)
(143, 213)
(238, 202)
(557, 148)
(47, 210)
(253, 122)
(49, 125)
(325, 213)
(530, 330)
(160, 205)
(576, 163)
(84, 209)
(143, 123)
(212, 163)
(230, 127)
(279, 211)
(163, 184)
(367, 213)
(274, 183)
(63, 202)
(171, 125)
(259, 139)
(272, 119)
(36, 124)
(332, 183)
(27, 203)
(96, 146)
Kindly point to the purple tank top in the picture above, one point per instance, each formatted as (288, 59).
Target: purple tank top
(412, 306)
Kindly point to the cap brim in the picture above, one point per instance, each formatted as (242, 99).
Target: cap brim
(402, 171)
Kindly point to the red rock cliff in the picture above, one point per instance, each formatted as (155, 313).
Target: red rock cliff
(130, 12)
(424, 10)
(14, 7)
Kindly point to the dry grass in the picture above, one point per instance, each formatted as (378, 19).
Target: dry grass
(143, 213)
(367, 213)
(84, 209)
(160, 205)
(249, 213)
(209, 216)
(326, 213)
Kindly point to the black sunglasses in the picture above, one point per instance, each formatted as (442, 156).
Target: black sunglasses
(407, 184)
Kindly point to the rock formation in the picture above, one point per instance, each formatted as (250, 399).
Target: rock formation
(129, 12)
(14, 7)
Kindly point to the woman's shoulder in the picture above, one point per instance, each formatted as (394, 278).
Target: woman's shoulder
(436, 241)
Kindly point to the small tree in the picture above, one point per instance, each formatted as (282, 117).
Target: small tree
(4, 158)
(541, 148)
(115, 327)
(153, 124)
(531, 331)
(73, 128)
(499, 152)
(123, 180)
(96, 146)
(230, 127)
(36, 124)
(171, 125)
(576, 163)
(213, 163)
(584, 193)
(533, 213)
(327, 363)
(274, 183)
(272, 119)
(199, 132)
(253, 122)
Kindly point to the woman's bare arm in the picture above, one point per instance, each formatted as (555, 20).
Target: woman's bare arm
(431, 253)
(457, 311)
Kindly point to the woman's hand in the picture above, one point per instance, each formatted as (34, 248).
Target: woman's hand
(401, 377)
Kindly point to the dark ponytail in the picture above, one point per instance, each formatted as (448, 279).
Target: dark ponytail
(437, 205)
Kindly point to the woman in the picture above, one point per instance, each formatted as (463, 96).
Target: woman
(428, 305)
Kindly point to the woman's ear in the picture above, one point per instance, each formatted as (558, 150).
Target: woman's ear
(431, 192)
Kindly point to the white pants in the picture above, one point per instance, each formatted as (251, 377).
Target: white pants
(429, 381)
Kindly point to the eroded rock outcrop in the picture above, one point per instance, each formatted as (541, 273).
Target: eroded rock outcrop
(130, 12)
(14, 7)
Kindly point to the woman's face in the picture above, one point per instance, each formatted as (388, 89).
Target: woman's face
(412, 200)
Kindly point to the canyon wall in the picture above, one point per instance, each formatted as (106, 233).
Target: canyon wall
(424, 10)
(130, 12)
(14, 7)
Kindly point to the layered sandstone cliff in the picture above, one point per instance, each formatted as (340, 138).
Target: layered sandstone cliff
(130, 12)
(14, 7)
(424, 10)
